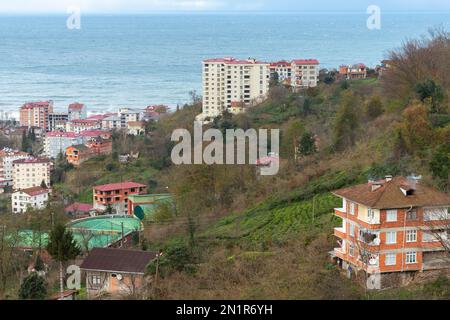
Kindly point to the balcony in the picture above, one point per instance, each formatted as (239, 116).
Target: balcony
(340, 232)
(340, 212)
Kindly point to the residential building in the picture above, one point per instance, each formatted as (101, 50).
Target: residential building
(136, 128)
(31, 172)
(111, 122)
(7, 157)
(232, 85)
(305, 73)
(78, 210)
(128, 115)
(31, 198)
(57, 121)
(80, 153)
(81, 125)
(91, 134)
(353, 72)
(35, 114)
(56, 142)
(118, 272)
(115, 196)
(281, 70)
(77, 111)
(391, 230)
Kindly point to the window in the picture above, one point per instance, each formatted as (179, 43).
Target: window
(411, 215)
(411, 257)
(351, 250)
(391, 237)
(96, 280)
(391, 215)
(370, 214)
(352, 208)
(390, 259)
(352, 230)
(411, 235)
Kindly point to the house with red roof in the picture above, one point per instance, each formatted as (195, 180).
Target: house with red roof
(35, 114)
(77, 111)
(353, 72)
(35, 198)
(115, 196)
(78, 210)
(80, 125)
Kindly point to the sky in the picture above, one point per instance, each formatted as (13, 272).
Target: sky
(135, 6)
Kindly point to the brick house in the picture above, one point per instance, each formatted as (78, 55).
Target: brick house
(118, 272)
(392, 229)
(116, 195)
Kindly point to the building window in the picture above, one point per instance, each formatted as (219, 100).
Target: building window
(411, 215)
(370, 214)
(411, 257)
(391, 215)
(351, 250)
(391, 237)
(411, 235)
(96, 280)
(352, 230)
(390, 259)
(352, 208)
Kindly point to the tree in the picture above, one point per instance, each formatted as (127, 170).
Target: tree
(33, 288)
(39, 264)
(374, 108)
(291, 138)
(440, 163)
(25, 142)
(62, 247)
(43, 184)
(429, 91)
(307, 145)
(416, 128)
(346, 123)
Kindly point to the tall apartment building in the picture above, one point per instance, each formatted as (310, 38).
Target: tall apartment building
(77, 111)
(7, 157)
(391, 229)
(57, 142)
(305, 73)
(116, 195)
(233, 85)
(128, 115)
(57, 121)
(35, 114)
(29, 173)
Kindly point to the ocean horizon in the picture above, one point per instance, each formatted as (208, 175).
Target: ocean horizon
(135, 60)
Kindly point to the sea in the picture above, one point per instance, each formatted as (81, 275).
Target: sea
(116, 61)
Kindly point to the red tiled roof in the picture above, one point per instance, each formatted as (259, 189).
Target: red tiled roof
(35, 191)
(31, 105)
(95, 133)
(31, 160)
(389, 194)
(280, 64)
(230, 60)
(84, 121)
(76, 106)
(119, 186)
(62, 134)
(80, 207)
(305, 61)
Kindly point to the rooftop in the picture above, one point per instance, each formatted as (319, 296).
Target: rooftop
(31, 161)
(230, 60)
(398, 192)
(119, 186)
(80, 207)
(35, 191)
(306, 61)
(76, 106)
(118, 260)
(59, 134)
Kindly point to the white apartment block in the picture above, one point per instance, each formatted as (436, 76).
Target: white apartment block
(7, 157)
(305, 73)
(57, 142)
(31, 198)
(129, 115)
(233, 85)
(29, 173)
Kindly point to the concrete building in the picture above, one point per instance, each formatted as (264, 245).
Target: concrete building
(31, 172)
(111, 122)
(81, 125)
(232, 85)
(7, 157)
(129, 115)
(116, 195)
(57, 121)
(77, 111)
(35, 114)
(282, 70)
(305, 73)
(30, 198)
(78, 154)
(57, 142)
(392, 229)
(353, 72)
(136, 128)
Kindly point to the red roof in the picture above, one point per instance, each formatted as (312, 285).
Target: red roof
(229, 60)
(76, 106)
(280, 64)
(100, 116)
(61, 134)
(305, 61)
(80, 207)
(119, 186)
(95, 133)
(84, 121)
(31, 160)
(31, 105)
(35, 191)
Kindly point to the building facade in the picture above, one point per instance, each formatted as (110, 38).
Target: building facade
(57, 121)
(305, 73)
(7, 157)
(77, 111)
(31, 172)
(31, 198)
(390, 229)
(116, 195)
(353, 72)
(57, 142)
(35, 114)
(232, 85)
(81, 125)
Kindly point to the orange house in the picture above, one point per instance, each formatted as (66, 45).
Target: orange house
(391, 229)
(78, 154)
(116, 195)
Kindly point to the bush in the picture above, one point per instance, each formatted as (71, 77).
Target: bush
(33, 288)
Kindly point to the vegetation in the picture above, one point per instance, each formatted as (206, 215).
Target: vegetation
(33, 287)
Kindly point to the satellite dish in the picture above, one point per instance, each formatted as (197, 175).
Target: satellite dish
(376, 241)
(119, 277)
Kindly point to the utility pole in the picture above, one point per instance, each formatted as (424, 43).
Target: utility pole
(121, 241)
(158, 255)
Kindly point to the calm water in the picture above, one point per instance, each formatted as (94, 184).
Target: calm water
(140, 60)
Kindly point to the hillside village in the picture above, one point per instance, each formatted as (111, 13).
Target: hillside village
(359, 210)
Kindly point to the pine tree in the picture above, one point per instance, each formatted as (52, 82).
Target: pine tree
(307, 145)
(62, 247)
(33, 287)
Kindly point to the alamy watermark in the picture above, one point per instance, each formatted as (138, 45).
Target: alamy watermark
(74, 20)
(374, 20)
(233, 151)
